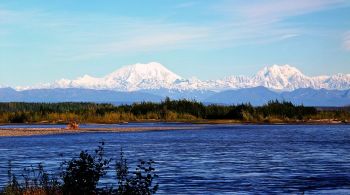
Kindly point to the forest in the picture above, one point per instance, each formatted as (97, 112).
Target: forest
(167, 110)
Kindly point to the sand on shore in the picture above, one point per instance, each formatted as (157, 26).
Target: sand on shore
(12, 132)
(6, 131)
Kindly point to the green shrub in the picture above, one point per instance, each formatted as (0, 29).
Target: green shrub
(142, 180)
(81, 175)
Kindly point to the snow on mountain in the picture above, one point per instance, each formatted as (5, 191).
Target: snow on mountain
(141, 76)
(129, 78)
(83, 82)
(337, 81)
(281, 78)
(287, 78)
(154, 75)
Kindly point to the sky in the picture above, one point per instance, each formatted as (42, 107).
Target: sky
(42, 41)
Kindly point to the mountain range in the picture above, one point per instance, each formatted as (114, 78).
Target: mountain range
(256, 96)
(153, 82)
(154, 76)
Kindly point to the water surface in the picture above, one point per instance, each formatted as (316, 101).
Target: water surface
(215, 159)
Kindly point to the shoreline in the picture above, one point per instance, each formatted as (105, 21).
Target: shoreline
(16, 132)
(203, 121)
(33, 131)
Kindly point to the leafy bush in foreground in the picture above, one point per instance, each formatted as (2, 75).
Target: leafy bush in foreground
(141, 183)
(81, 175)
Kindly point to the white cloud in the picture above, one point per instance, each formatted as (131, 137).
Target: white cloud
(275, 10)
(92, 36)
(145, 41)
(98, 35)
(186, 4)
(265, 21)
(346, 41)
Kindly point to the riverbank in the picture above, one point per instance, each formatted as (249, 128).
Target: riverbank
(14, 132)
(7, 131)
(274, 122)
(199, 121)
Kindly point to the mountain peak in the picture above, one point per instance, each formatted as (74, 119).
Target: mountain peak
(138, 72)
(151, 65)
(283, 70)
(141, 76)
(283, 77)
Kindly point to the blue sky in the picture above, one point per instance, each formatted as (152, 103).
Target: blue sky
(42, 41)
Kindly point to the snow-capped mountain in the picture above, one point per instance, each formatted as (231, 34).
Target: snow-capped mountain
(153, 76)
(287, 78)
(128, 78)
(281, 77)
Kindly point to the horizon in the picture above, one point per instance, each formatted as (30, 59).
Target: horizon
(144, 72)
(44, 42)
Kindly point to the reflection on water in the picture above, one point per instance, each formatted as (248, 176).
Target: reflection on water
(216, 159)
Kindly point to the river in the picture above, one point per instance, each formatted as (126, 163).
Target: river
(213, 159)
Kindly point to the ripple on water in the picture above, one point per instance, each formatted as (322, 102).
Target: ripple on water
(217, 159)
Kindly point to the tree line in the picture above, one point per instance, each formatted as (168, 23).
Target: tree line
(167, 110)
